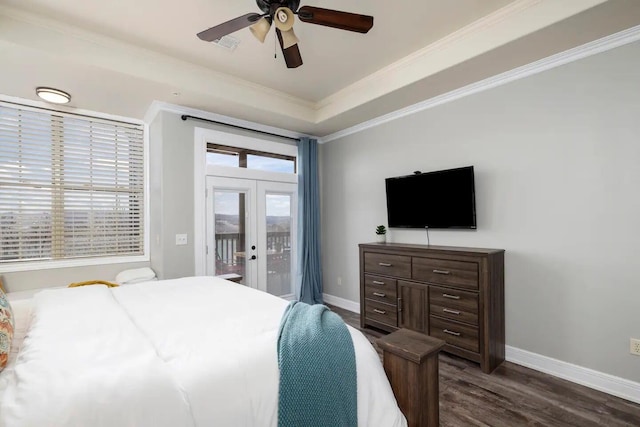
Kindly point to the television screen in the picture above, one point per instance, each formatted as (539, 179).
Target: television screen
(440, 199)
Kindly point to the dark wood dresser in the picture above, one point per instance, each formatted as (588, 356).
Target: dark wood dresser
(452, 293)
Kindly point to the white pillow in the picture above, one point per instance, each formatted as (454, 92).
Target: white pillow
(135, 275)
(134, 281)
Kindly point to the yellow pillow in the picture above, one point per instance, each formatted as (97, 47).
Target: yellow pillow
(94, 282)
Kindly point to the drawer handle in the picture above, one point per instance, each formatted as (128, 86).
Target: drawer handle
(450, 296)
(441, 272)
(377, 282)
(375, 310)
(384, 264)
(446, 331)
(379, 294)
(446, 310)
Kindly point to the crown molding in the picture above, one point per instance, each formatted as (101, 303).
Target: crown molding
(589, 49)
(157, 106)
(406, 62)
(112, 54)
(515, 20)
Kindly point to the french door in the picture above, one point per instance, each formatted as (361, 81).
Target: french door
(251, 231)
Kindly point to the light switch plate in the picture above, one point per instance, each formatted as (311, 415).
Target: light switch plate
(181, 239)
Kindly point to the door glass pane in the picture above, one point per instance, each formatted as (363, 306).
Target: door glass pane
(278, 244)
(230, 228)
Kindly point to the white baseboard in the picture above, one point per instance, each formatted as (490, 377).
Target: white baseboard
(342, 303)
(596, 380)
(600, 381)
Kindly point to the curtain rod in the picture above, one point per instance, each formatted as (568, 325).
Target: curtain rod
(185, 117)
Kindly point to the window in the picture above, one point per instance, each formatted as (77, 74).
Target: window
(222, 155)
(71, 187)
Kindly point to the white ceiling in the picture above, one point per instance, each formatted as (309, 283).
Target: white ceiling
(119, 56)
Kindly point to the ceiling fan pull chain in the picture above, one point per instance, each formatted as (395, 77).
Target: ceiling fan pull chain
(275, 46)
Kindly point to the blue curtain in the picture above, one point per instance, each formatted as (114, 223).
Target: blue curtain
(309, 277)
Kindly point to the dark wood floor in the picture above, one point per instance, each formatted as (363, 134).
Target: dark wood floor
(516, 396)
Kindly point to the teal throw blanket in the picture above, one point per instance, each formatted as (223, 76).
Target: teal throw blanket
(318, 383)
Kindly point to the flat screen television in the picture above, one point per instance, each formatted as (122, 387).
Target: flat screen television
(440, 199)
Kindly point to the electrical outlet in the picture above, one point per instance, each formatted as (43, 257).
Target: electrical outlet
(181, 239)
(339, 281)
(635, 346)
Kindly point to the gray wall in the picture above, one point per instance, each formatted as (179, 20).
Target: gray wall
(557, 179)
(155, 195)
(171, 188)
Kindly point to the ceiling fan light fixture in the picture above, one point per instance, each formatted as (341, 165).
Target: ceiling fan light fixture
(289, 39)
(55, 96)
(283, 13)
(260, 29)
(283, 18)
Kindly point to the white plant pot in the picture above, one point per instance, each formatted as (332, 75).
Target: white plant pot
(382, 238)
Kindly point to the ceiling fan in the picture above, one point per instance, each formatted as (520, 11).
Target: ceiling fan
(282, 14)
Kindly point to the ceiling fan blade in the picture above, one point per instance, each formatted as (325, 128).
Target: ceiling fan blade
(292, 56)
(336, 19)
(219, 31)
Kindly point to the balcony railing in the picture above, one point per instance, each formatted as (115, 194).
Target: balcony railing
(228, 244)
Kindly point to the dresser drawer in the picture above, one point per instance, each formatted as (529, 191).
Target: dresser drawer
(390, 265)
(380, 289)
(454, 314)
(383, 284)
(462, 274)
(454, 298)
(380, 312)
(454, 333)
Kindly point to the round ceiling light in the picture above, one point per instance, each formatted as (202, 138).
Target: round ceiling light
(53, 95)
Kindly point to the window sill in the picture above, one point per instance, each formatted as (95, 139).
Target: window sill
(70, 263)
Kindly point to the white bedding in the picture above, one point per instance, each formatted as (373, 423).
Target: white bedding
(186, 352)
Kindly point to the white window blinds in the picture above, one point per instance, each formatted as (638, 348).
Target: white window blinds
(70, 186)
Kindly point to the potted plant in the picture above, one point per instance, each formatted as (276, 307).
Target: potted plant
(381, 232)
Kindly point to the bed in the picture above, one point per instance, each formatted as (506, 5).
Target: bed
(197, 351)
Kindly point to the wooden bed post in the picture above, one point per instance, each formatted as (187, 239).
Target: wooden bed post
(410, 360)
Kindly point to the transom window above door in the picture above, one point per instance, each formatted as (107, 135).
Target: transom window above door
(223, 155)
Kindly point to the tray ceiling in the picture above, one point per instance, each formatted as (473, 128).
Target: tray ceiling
(119, 56)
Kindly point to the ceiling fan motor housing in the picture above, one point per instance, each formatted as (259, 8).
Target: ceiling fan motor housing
(270, 6)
